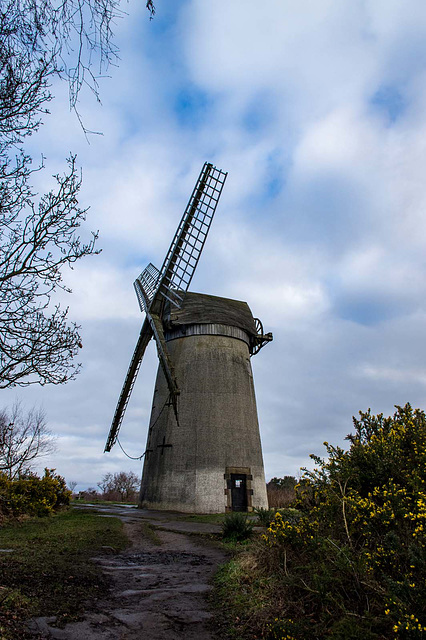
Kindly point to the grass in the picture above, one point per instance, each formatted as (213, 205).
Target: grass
(49, 571)
(237, 527)
(242, 596)
(119, 503)
(210, 518)
(147, 530)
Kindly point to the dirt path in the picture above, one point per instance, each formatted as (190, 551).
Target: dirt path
(159, 590)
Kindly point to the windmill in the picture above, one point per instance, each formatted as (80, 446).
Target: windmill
(203, 342)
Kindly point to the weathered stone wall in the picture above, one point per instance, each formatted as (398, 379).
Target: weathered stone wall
(218, 428)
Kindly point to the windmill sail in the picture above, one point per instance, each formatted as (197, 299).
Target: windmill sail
(129, 381)
(185, 250)
(182, 259)
(154, 287)
(146, 286)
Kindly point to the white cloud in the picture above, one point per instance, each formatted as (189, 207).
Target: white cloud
(321, 227)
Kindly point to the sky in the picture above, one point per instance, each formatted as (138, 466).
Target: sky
(317, 110)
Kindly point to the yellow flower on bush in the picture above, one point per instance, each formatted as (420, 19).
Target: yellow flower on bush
(362, 511)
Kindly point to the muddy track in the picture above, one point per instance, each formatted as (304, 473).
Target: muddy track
(158, 590)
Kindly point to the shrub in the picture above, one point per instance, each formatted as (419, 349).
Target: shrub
(236, 527)
(353, 564)
(265, 516)
(33, 496)
(280, 495)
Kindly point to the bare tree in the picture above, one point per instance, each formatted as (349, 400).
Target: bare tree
(106, 483)
(122, 485)
(72, 39)
(72, 485)
(39, 40)
(36, 344)
(24, 437)
(126, 483)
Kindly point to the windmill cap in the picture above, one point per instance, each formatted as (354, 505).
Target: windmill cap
(200, 308)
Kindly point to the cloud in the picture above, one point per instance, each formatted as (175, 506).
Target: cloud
(317, 110)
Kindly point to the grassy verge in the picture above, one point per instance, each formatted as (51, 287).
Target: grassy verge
(210, 518)
(48, 572)
(243, 594)
(119, 503)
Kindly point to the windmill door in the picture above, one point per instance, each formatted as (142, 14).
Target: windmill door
(239, 491)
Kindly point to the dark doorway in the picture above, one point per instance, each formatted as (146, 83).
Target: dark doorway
(239, 491)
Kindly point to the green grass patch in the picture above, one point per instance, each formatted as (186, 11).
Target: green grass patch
(242, 596)
(236, 527)
(49, 571)
(209, 518)
(119, 503)
(148, 531)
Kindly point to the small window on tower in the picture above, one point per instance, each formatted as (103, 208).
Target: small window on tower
(238, 484)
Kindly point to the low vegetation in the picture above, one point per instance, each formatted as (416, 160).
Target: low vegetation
(122, 486)
(47, 570)
(266, 516)
(147, 531)
(30, 495)
(236, 527)
(209, 518)
(281, 492)
(348, 561)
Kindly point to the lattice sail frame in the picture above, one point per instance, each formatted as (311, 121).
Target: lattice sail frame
(171, 283)
(129, 382)
(146, 286)
(175, 276)
(184, 252)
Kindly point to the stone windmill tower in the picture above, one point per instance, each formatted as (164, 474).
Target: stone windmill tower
(203, 452)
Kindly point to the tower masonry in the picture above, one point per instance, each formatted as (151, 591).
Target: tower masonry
(203, 452)
(206, 457)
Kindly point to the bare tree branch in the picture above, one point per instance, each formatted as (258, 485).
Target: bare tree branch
(122, 485)
(24, 437)
(72, 485)
(39, 40)
(36, 343)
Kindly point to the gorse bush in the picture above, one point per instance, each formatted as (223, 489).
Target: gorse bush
(265, 516)
(353, 564)
(236, 527)
(32, 495)
(348, 560)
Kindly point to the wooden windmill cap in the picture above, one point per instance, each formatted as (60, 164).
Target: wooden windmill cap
(200, 308)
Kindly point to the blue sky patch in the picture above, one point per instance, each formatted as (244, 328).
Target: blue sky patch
(191, 106)
(258, 115)
(367, 309)
(390, 101)
(276, 172)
